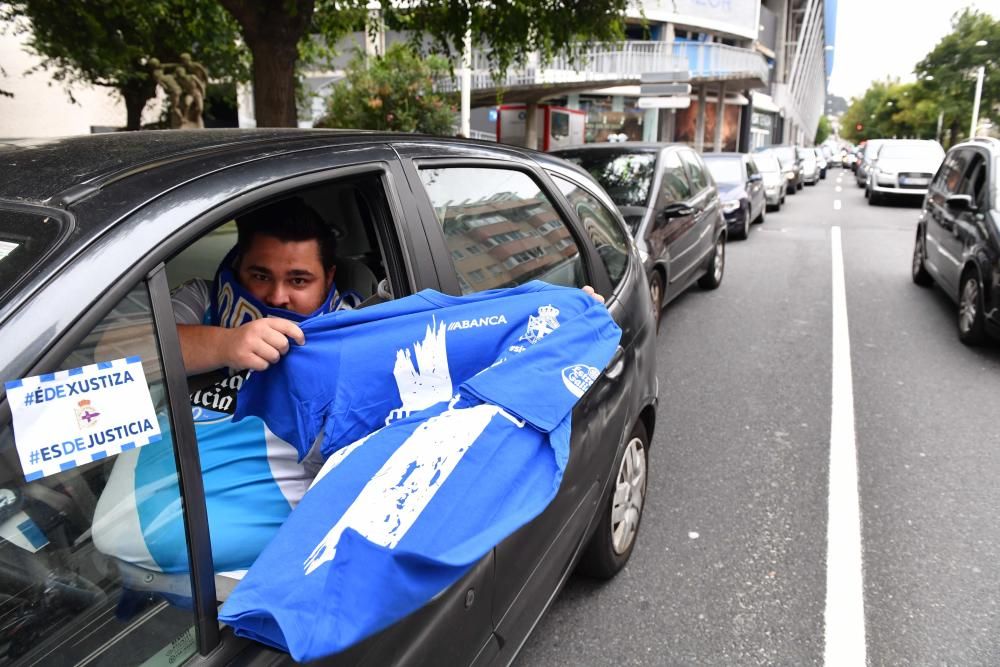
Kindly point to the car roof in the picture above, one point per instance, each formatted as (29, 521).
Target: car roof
(40, 170)
(726, 154)
(638, 146)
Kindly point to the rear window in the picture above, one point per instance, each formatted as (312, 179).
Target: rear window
(25, 238)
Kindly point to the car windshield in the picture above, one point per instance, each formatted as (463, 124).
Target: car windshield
(726, 169)
(766, 162)
(24, 240)
(911, 152)
(626, 176)
(786, 155)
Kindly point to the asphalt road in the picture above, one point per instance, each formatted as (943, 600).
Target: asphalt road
(731, 563)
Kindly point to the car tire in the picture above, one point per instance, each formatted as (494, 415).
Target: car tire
(744, 232)
(656, 295)
(971, 319)
(917, 270)
(621, 512)
(760, 218)
(716, 266)
(874, 198)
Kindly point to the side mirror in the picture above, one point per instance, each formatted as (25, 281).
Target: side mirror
(756, 178)
(960, 203)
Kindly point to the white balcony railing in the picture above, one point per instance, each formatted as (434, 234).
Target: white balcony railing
(624, 62)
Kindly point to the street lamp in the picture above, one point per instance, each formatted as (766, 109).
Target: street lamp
(979, 94)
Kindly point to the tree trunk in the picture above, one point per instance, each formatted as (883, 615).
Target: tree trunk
(272, 31)
(136, 94)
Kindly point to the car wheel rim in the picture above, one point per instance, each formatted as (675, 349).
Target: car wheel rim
(918, 256)
(630, 491)
(654, 294)
(720, 260)
(968, 307)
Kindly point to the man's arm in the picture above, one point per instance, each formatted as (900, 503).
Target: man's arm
(254, 345)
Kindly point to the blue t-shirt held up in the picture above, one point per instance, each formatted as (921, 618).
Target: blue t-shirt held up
(447, 425)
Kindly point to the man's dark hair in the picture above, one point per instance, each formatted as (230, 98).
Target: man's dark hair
(288, 220)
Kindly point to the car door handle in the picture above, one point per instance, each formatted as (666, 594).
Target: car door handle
(616, 365)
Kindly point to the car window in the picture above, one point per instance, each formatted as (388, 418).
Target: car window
(974, 184)
(695, 171)
(78, 580)
(24, 239)
(675, 186)
(949, 178)
(751, 167)
(601, 225)
(507, 213)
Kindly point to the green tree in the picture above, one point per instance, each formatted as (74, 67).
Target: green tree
(507, 32)
(108, 43)
(947, 73)
(394, 92)
(822, 130)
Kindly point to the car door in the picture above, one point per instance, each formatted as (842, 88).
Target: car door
(755, 187)
(532, 562)
(705, 203)
(944, 252)
(968, 230)
(669, 232)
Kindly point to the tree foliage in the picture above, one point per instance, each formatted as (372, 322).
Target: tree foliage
(945, 86)
(108, 43)
(952, 63)
(394, 92)
(822, 130)
(280, 32)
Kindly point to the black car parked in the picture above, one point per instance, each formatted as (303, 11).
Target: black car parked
(96, 231)
(671, 206)
(958, 243)
(741, 187)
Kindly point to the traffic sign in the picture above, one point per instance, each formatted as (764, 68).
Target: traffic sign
(664, 102)
(665, 89)
(664, 77)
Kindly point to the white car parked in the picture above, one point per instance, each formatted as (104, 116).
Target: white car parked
(903, 167)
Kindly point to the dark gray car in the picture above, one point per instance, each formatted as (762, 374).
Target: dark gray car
(96, 231)
(672, 207)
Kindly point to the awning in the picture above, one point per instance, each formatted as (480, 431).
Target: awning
(763, 102)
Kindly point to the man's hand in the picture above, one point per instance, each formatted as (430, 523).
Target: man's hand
(587, 289)
(260, 343)
(254, 345)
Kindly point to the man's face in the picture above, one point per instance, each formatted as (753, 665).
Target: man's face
(285, 274)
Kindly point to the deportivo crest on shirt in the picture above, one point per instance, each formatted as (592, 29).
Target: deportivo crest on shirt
(579, 377)
(541, 325)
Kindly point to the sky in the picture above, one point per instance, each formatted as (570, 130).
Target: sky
(880, 38)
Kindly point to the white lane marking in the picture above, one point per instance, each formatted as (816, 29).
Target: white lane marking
(844, 615)
(836, 204)
(839, 189)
